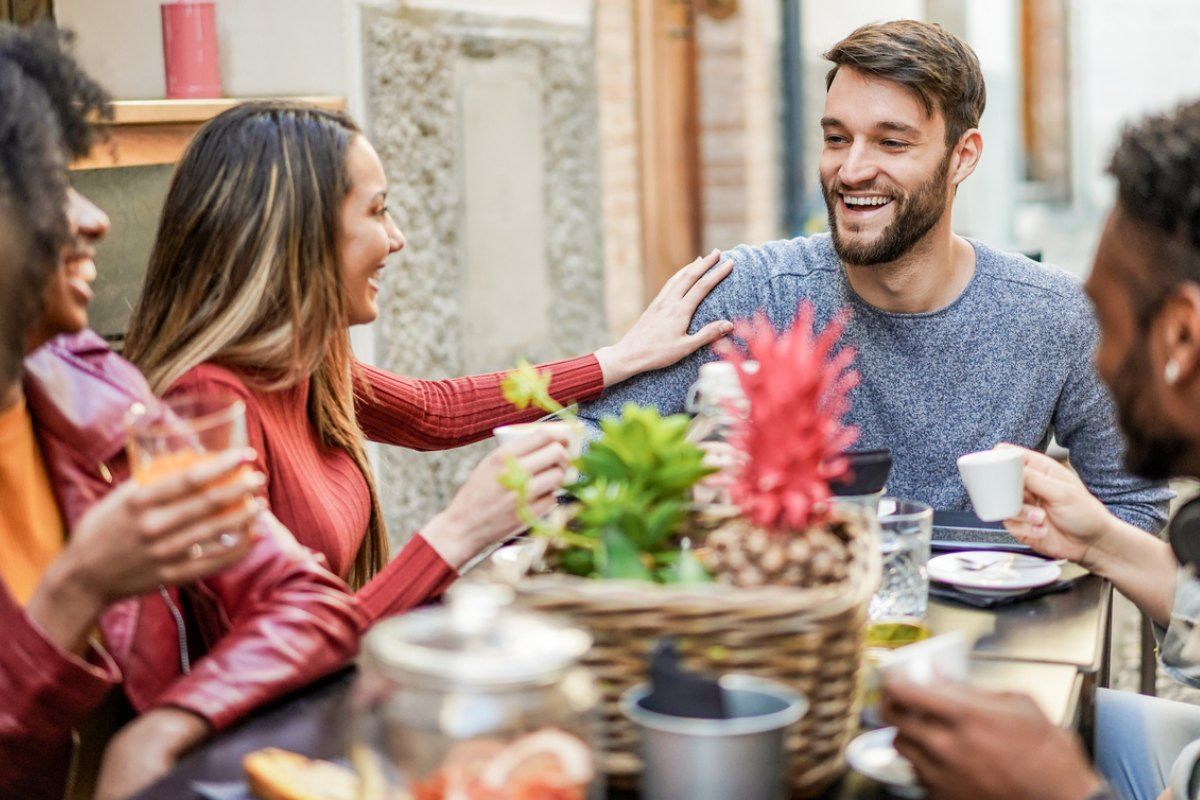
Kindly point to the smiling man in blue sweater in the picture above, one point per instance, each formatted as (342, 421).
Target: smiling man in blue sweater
(960, 346)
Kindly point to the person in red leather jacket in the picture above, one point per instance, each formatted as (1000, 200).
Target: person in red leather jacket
(59, 432)
(271, 620)
(52, 592)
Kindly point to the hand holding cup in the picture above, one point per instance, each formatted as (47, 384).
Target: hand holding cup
(568, 431)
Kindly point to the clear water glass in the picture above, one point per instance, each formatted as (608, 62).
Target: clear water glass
(905, 528)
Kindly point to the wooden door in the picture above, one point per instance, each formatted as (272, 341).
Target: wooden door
(22, 11)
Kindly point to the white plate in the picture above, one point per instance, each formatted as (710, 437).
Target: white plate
(993, 592)
(873, 755)
(1005, 574)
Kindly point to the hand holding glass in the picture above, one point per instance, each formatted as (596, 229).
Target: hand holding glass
(179, 434)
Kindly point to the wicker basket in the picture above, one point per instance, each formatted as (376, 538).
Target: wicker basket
(810, 639)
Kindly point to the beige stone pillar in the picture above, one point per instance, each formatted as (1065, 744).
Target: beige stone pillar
(484, 113)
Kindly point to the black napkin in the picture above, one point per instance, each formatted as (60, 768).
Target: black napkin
(869, 471)
(680, 692)
(944, 591)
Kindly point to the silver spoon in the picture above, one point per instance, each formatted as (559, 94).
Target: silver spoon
(1007, 564)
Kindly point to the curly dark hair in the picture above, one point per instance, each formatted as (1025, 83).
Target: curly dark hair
(14, 255)
(47, 111)
(1157, 167)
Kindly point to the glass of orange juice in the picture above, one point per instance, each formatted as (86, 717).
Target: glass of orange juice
(180, 432)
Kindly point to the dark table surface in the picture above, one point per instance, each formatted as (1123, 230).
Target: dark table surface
(1068, 628)
(315, 723)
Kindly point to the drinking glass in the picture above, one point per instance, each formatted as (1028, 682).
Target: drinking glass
(905, 528)
(178, 433)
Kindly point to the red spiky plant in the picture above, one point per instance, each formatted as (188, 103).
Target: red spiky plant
(793, 438)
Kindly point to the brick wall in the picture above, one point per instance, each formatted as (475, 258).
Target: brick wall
(740, 167)
(740, 170)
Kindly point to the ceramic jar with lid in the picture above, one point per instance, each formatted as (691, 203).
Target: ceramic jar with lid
(476, 701)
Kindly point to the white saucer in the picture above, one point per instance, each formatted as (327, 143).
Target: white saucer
(873, 755)
(1006, 574)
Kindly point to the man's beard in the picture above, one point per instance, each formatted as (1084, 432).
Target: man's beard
(1150, 452)
(916, 214)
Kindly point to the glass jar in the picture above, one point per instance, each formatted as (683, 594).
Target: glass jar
(475, 701)
(716, 400)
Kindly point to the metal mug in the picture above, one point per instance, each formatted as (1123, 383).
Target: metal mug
(740, 757)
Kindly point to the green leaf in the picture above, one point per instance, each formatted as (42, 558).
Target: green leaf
(601, 462)
(525, 386)
(661, 523)
(620, 558)
(578, 562)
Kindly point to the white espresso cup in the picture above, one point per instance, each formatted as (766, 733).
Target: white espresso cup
(995, 481)
(574, 434)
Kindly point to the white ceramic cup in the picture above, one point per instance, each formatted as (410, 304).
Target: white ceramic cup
(574, 433)
(995, 481)
(942, 658)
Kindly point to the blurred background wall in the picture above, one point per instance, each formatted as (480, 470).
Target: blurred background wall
(553, 161)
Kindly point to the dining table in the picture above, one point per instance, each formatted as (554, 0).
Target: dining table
(1053, 648)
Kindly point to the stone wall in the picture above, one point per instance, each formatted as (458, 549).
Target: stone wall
(456, 142)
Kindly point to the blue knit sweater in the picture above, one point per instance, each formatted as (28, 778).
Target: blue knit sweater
(1010, 360)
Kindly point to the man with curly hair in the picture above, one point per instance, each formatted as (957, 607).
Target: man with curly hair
(959, 345)
(1145, 285)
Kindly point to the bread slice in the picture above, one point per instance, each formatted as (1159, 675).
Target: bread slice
(275, 774)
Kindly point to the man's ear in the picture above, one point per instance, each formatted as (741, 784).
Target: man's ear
(1177, 326)
(965, 159)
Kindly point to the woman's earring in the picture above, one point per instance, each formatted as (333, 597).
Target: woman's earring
(1171, 372)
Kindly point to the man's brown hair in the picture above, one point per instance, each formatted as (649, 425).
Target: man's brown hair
(925, 58)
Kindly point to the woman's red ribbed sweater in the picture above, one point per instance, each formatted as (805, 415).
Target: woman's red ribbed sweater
(321, 495)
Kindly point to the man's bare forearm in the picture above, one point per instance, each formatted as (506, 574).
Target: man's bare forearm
(1140, 565)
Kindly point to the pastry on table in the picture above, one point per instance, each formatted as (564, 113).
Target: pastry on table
(275, 774)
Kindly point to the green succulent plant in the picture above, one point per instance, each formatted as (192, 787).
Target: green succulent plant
(634, 489)
(646, 452)
(632, 495)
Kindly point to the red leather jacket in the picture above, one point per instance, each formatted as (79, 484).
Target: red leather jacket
(272, 623)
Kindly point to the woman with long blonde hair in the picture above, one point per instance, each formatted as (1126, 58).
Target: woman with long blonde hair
(271, 243)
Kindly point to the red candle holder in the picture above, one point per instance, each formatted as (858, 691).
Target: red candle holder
(190, 49)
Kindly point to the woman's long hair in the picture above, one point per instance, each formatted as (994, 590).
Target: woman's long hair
(245, 273)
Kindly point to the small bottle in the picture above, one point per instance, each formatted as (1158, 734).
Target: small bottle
(717, 402)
